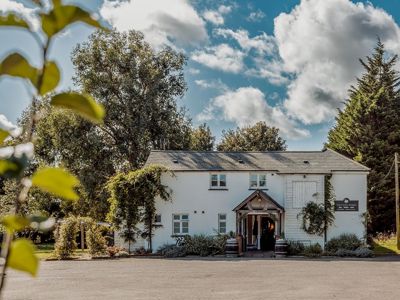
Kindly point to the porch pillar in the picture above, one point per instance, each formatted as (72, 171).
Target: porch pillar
(259, 232)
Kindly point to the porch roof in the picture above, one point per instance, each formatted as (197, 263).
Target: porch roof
(261, 194)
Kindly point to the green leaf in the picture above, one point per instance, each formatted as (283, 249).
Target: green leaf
(3, 135)
(83, 105)
(12, 19)
(51, 77)
(14, 222)
(22, 257)
(63, 15)
(9, 169)
(56, 181)
(16, 65)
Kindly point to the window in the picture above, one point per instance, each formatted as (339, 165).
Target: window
(157, 219)
(303, 192)
(180, 224)
(258, 181)
(218, 181)
(222, 223)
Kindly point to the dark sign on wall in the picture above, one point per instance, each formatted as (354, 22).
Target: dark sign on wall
(346, 205)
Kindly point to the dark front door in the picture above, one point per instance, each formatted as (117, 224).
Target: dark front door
(267, 234)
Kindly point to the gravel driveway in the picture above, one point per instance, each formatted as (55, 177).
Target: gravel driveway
(210, 279)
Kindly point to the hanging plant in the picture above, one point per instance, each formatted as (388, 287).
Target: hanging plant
(317, 217)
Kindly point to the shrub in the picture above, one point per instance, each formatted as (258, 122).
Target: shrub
(176, 251)
(113, 250)
(122, 253)
(65, 243)
(345, 241)
(295, 248)
(141, 251)
(204, 245)
(314, 250)
(361, 252)
(95, 241)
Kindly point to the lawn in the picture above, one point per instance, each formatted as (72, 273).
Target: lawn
(385, 246)
(45, 251)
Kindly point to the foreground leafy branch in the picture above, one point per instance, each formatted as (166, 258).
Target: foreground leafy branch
(15, 160)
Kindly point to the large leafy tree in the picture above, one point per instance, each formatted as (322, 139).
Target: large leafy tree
(138, 86)
(368, 130)
(258, 137)
(201, 138)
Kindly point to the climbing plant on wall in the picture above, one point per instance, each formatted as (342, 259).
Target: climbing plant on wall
(317, 217)
(132, 201)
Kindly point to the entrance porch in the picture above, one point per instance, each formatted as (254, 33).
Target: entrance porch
(259, 221)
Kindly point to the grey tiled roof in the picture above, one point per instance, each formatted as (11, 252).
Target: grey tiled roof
(283, 161)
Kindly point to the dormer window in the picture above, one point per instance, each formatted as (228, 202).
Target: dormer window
(258, 181)
(218, 181)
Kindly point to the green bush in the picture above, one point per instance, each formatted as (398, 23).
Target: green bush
(204, 245)
(361, 252)
(95, 241)
(65, 243)
(169, 250)
(314, 250)
(295, 248)
(345, 241)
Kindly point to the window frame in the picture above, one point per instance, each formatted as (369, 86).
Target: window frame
(258, 180)
(155, 222)
(180, 221)
(220, 220)
(218, 180)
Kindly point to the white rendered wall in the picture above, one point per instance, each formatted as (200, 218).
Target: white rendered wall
(191, 192)
(354, 187)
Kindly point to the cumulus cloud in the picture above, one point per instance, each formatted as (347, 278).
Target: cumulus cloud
(262, 50)
(6, 125)
(172, 22)
(29, 14)
(248, 105)
(216, 16)
(221, 57)
(262, 44)
(320, 42)
(212, 84)
(255, 16)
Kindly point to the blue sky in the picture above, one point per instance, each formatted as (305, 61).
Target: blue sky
(286, 62)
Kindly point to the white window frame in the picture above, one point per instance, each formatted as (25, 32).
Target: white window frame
(218, 180)
(180, 221)
(259, 186)
(222, 220)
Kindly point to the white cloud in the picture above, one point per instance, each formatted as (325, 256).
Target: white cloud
(266, 62)
(248, 105)
(212, 84)
(216, 16)
(222, 57)
(262, 44)
(173, 22)
(320, 42)
(6, 125)
(29, 14)
(255, 16)
(194, 71)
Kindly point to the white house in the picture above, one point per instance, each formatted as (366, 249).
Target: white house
(256, 194)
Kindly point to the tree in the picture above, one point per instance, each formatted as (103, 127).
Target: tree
(258, 137)
(132, 201)
(201, 138)
(138, 86)
(368, 131)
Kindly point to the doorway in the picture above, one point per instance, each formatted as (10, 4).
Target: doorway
(267, 239)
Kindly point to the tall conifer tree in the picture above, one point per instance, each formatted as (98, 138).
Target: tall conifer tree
(368, 130)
